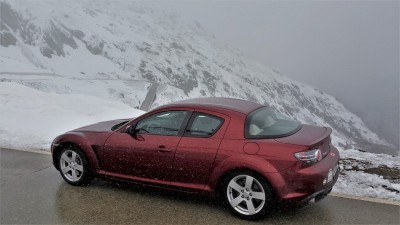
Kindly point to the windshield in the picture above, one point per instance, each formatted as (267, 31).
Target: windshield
(267, 123)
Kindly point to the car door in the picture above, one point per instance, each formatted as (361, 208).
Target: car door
(147, 155)
(196, 152)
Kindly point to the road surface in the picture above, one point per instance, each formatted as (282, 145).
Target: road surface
(150, 97)
(33, 192)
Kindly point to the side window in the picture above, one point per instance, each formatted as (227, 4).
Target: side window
(164, 123)
(203, 125)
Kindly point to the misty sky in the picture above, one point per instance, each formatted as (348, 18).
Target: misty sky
(349, 49)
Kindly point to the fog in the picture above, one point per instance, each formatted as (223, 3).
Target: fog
(349, 49)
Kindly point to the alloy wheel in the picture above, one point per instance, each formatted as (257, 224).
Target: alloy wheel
(246, 194)
(71, 165)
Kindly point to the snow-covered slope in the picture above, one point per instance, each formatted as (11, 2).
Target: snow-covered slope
(124, 40)
(31, 119)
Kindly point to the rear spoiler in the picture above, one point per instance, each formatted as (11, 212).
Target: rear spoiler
(327, 133)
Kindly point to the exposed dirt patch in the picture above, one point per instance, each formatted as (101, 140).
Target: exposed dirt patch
(350, 164)
(385, 172)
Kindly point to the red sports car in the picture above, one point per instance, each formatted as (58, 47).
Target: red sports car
(248, 154)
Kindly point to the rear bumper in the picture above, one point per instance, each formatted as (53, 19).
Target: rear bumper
(300, 183)
(319, 195)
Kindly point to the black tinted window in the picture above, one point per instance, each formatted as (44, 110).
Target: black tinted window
(164, 123)
(203, 125)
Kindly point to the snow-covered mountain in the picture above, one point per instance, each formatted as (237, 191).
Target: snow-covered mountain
(123, 40)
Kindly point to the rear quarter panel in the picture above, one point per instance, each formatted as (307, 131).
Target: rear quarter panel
(271, 158)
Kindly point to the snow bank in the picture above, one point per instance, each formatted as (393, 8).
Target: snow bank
(355, 180)
(358, 183)
(31, 119)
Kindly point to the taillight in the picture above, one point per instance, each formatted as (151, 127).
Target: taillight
(309, 157)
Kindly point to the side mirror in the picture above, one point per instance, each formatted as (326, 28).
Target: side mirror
(130, 130)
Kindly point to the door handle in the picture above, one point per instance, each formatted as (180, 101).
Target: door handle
(162, 148)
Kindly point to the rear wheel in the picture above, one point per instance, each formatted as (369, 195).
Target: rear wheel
(247, 195)
(73, 166)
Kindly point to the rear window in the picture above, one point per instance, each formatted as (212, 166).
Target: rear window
(268, 123)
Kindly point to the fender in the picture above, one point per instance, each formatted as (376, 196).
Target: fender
(83, 141)
(243, 161)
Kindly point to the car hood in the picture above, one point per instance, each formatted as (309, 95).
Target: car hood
(105, 126)
(308, 135)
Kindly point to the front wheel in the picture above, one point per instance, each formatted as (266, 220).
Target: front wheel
(73, 166)
(248, 195)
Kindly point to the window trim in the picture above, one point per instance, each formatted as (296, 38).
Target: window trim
(247, 128)
(181, 129)
(191, 120)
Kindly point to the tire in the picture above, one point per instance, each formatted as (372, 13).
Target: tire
(247, 195)
(73, 166)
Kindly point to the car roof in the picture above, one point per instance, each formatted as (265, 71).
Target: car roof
(238, 105)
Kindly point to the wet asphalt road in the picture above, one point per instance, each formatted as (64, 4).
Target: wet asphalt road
(33, 192)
